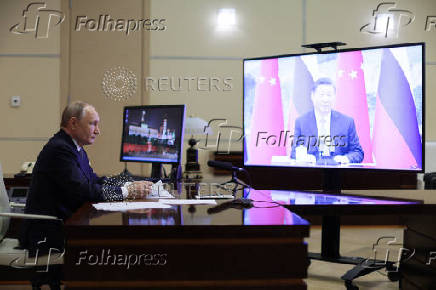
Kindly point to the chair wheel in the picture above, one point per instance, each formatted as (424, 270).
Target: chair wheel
(349, 285)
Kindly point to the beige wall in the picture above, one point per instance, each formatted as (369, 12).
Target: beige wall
(69, 65)
(324, 24)
(92, 53)
(29, 68)
(191, 46)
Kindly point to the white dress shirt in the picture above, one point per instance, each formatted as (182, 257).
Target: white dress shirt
(323, 126)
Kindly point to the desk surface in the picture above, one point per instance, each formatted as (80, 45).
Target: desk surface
(254, 245)
(317, 203)
(258, 248)
(267, 211)
(255, 222)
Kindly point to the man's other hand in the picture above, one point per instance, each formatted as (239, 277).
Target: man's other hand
(341, 159)
(310, 158)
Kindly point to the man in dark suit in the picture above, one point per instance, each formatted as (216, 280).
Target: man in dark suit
(325, 135)
(63, 180)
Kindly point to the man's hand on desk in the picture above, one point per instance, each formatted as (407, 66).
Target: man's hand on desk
(139, 189)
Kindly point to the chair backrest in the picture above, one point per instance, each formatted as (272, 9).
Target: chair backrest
(4, 206)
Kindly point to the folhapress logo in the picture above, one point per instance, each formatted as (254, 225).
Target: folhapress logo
(38, 20)
(107, 23)
(387, 20)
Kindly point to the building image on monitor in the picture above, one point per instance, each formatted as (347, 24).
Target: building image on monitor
(153, 134)
(353, 108)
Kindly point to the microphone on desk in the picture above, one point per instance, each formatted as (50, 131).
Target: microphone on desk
(239, 203)
(223, 165)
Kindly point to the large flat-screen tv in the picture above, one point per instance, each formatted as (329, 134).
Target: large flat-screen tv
(353, 108)
(153, 134)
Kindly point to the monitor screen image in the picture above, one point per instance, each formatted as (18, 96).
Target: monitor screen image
(353, 108)
(153, 134)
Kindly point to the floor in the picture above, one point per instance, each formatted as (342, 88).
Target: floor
(355, 241)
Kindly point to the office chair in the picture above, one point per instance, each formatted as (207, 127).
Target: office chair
(46, 267)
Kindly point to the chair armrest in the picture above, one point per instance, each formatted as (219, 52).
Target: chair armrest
(28, 216)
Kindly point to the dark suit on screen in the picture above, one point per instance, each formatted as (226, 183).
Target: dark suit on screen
(342, 132)
(62, 181)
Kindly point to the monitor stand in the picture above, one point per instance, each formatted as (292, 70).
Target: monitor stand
(156, 171)
(126, 172)
(175, 175)
(331, 225)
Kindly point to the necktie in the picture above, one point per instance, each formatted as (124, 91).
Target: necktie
(83, 162)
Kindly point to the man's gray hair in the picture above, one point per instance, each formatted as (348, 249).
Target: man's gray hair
(75, 109)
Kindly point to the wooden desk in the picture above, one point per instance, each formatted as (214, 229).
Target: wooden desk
(10, 180)
(186, 248)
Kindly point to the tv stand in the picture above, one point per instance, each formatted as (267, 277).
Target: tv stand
(330, 240)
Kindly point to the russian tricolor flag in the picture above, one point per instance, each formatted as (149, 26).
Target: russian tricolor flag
(396, 139)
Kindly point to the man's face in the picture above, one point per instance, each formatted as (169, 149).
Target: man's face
(86, 129)
(323, 98)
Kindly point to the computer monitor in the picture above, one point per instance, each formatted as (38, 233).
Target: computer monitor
(153, 134)
(353, 108)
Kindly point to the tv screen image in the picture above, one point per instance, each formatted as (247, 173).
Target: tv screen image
(152, 134)
(354, 108)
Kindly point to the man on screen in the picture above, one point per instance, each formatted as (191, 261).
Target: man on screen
(324, 134)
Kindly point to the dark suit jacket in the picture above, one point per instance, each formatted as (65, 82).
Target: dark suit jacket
(343, 136)
(62, 181)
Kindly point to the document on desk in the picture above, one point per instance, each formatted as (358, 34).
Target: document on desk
(123, 206)
(188, 201)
